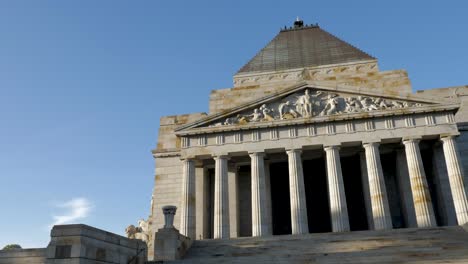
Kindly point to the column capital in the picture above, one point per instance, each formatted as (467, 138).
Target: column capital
(259, 153)
(444, 138)
(370, 144)
(220, 156)
(331, 147)
(411, 139)
(298, 150)
(188, 158)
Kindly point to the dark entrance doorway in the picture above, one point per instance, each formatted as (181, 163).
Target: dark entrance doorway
(389, 167)
(427, 152)
(245, 201)
(318, 209)
(351, 169)
(280, 201)
(209, 209)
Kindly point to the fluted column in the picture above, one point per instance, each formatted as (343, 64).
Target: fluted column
(259, 199)
(381, 215)
(187, 222)
(455, 175)
(299, 221)
(221, 203)
(336, 191)
(421, 197)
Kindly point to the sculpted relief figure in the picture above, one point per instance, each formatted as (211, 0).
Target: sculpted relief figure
(352, 105)
(267, 113)
(367, 103)
(382, 103)
(231, 121)
(305, 104)
(309, 104)
(256, 116)
(287, 111)
(331, 105)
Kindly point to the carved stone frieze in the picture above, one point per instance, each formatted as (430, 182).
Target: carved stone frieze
(311, 103)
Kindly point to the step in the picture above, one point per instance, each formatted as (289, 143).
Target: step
(428, 245)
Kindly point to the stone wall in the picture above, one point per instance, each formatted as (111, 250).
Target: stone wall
(167, 140)
(167, 191)
(255, 86)
(457, 94)
(23, 256)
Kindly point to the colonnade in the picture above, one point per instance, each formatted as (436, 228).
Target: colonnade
(379, 204)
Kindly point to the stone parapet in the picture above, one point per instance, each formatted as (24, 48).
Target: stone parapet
(23, 256)
(85, 244)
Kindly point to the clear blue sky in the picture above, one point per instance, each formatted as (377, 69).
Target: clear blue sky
(84, 83)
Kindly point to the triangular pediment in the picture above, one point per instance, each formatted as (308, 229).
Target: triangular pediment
(308, 102)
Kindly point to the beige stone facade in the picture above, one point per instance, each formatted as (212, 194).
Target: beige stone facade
(326, 145)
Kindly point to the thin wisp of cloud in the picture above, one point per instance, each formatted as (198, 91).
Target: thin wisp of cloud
(76, 209)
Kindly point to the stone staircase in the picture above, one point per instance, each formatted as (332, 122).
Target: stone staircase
(429, 245)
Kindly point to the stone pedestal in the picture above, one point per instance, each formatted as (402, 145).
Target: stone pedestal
(169, 244)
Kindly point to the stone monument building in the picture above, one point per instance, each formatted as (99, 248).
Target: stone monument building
(313, 138)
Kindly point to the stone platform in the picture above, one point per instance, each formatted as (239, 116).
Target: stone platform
(429, 245)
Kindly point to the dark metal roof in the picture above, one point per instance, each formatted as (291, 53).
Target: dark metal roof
(303, 47)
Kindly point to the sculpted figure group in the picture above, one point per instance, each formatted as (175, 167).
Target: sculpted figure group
(141, 232)
(306, 104)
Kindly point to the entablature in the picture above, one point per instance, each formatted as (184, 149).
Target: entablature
(326, 133)
(309, 103)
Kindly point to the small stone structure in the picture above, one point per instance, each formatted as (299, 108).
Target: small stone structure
(169, 244)
(80, 244)
(23, 256)
(86, 244)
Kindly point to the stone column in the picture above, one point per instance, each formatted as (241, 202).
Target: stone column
(233, 201)
(258, 186)
(187, 214)
(221, 203)
(381, 215)
(299, 222)
(200, 203)
(455, 175)
(336, 191)
(421, 197)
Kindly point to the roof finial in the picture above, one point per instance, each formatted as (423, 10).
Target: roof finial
(298, 23)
